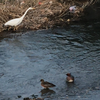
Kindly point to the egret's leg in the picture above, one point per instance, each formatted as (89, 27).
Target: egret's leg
(16, 28)
(9, 28)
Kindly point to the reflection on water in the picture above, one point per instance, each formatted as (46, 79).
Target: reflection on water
(46, 92)
(70, 85)
(1, 74)
(50, 54)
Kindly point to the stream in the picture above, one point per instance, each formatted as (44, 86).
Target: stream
(50, 55)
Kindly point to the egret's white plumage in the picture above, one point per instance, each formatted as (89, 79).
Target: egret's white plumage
(17, 21)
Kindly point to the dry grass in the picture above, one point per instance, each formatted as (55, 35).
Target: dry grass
(46, 15)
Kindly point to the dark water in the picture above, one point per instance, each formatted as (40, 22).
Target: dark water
(49, 55)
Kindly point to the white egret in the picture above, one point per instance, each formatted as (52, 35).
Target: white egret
(17, 21)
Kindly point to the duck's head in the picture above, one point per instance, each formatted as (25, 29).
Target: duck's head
(41, 80)
(68, 74)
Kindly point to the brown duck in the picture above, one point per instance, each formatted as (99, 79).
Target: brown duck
(46, 84)
(70, 78)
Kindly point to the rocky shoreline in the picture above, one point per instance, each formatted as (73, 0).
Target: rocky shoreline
(49, 13)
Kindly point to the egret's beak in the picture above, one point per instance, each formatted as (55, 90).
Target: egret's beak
(33, 8)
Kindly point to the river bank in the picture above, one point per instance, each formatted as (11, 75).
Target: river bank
(48, 13)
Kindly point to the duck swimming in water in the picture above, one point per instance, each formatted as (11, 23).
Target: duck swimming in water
(70, 78)
(46, 84)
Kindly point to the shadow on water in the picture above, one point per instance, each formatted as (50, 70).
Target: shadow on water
(45, 92)
(51, 54)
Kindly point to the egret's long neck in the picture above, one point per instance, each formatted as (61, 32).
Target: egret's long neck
(25, 13)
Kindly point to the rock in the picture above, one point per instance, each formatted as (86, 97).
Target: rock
(27, 98)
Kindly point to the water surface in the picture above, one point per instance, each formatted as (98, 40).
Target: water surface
(49, 55)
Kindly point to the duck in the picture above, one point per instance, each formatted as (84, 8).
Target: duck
(46, 84)
(70, 78)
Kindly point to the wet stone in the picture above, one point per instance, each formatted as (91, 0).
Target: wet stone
(19, 96)
(35, 96)
(27, 98)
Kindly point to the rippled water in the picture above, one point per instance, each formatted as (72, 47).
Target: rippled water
(49, 55)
